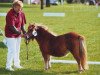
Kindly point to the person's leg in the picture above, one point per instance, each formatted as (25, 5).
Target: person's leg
(17, 53)
(11, 51)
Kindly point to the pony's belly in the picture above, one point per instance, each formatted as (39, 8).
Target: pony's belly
(60, 54)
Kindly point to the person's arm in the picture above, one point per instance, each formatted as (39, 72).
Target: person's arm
(14, 30)
(23, 29)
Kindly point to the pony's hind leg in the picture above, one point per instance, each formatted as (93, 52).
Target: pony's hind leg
(77, 58)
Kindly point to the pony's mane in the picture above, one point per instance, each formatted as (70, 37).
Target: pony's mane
(45, 28)
(41, 26)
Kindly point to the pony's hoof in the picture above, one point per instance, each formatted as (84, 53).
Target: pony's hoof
(87, 68)
(49, 67)
(80, 71)
(46, 69)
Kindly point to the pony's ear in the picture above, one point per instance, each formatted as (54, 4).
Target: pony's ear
(30, 26)
(33, 24)
(36, 27)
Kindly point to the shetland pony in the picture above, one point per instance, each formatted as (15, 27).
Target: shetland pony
(58, 46)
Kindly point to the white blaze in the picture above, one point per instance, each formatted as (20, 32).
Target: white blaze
(34, 33)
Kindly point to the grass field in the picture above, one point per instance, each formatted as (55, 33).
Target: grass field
(78, 18)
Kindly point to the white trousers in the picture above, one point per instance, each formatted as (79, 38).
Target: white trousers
(13, 45)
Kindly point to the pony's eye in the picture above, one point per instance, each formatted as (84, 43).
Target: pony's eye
(34, 33)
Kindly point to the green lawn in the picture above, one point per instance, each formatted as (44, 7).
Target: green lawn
(78, 18)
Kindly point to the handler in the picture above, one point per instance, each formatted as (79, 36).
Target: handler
(15, 21)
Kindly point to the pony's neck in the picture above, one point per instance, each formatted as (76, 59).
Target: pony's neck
(44, 35)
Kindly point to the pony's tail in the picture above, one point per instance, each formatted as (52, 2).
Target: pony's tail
(83, 53)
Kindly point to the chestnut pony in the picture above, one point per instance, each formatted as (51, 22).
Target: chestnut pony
(51, 45)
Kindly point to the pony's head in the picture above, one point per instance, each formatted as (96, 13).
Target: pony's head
(33, 28)
(31, 33)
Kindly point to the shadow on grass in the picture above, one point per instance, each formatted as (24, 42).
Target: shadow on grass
(3, 71)
(70, 72)
(32, 72)
(2, 45)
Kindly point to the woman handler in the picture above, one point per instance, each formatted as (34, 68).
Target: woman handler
(15, 21)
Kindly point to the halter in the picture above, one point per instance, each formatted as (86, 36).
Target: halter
(34, 33)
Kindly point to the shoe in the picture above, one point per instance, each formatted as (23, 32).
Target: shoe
(10, 69)
(18, 67)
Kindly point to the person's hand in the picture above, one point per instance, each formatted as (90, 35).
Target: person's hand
(18, 32)
(25, 36)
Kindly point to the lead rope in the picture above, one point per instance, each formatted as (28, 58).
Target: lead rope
(26, 42)
(27, 50)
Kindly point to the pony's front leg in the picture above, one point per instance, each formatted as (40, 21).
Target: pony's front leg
(47, 62)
